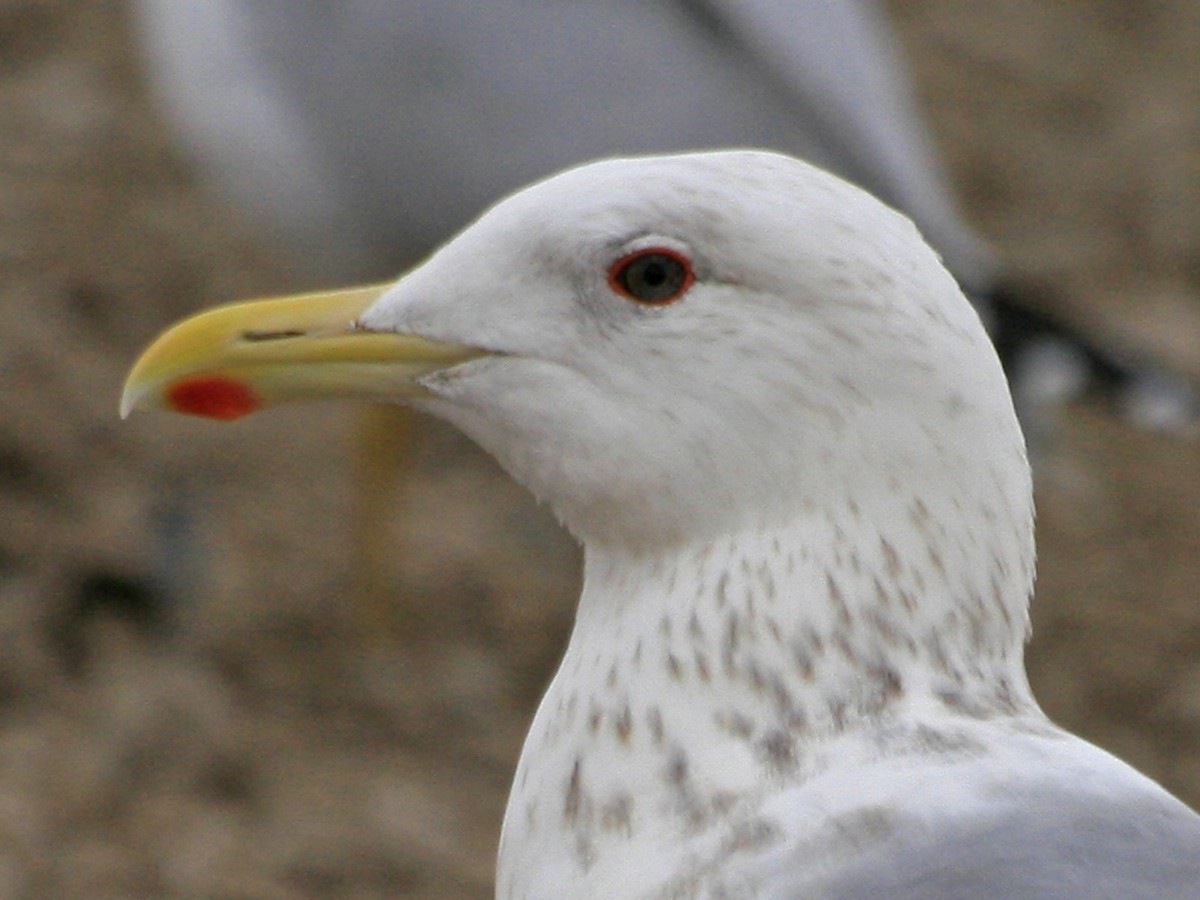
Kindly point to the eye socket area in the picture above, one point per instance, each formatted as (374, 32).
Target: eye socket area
(654, 276)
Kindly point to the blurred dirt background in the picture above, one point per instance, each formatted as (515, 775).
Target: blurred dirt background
(191, 703)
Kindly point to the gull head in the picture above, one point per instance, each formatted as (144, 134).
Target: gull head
(684, 346)
(663, 349)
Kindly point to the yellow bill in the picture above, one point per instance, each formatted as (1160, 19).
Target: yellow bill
(233, 360)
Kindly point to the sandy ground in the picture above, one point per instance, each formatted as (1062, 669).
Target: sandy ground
(193, 700)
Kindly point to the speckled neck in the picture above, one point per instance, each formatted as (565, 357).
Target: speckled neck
(695, 679)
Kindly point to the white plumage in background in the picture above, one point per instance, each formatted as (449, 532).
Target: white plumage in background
(787, 446)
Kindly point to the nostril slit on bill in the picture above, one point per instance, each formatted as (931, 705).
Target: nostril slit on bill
(257, 337)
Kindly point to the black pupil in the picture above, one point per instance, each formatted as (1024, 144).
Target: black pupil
(653, 278)
(655, 275)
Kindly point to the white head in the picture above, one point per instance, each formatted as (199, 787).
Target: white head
(821, 348)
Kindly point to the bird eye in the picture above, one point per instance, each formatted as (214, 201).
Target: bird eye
(654, 275)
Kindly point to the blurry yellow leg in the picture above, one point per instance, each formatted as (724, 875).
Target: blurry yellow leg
(386, 451)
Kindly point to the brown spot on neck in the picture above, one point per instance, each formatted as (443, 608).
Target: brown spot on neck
(574, 796)
(891, 559)
(623, 725)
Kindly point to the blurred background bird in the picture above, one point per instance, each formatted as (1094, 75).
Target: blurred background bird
(361, 135)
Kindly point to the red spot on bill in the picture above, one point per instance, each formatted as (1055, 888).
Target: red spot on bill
(214, 396)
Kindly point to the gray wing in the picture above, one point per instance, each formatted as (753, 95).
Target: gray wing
(419, 115)
(1055, 845)
(240, 114)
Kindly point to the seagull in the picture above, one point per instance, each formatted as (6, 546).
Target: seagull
(781, 434)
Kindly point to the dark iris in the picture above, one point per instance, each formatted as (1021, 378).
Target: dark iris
(652, 276)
